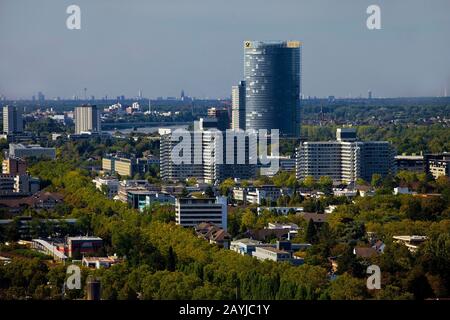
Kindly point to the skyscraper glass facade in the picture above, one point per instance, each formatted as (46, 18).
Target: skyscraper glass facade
(272, 75)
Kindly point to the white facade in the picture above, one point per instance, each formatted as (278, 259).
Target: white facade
(272, 254)
(193, 211)
(87, 119)
(345, 160)
(111, 184)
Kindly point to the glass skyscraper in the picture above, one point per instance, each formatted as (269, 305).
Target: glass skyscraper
(272, 76)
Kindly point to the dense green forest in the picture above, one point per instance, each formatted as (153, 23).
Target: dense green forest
(165, 261)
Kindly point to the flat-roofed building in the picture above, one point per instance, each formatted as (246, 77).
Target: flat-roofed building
(78, 246)
(141, 198)
(126, 166)
(100, 262)
(107, 184)
(411, 242)
(345, 160)
(438, 164)
(247, 246)
(265, 193)
(192, 211)
(32, 150)
(273, 254)
(12, 120)
(410, 163)
(14, 166)
(190, 167)
(87, 119)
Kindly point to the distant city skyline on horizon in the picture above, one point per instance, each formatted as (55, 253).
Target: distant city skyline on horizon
(136, 98)
(160, 49)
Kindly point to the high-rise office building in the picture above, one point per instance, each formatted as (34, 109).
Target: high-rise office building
(238, 106)
(346, 159)
(87, 119)
(272, 76)
(12, 120)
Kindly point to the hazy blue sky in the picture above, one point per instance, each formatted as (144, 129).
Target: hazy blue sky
(163, 46)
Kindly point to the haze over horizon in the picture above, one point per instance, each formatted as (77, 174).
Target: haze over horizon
(161, 47)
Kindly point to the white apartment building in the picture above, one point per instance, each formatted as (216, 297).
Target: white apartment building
(345, 160)
(87, 119)
(273, 254)
(169, 170)
(111, 184)
(208, 159)
(193, 211)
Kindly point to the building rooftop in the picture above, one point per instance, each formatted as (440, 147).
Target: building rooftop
(272, 249)
(247, 241)
(365, 252)
(411, 238)
(85, 238)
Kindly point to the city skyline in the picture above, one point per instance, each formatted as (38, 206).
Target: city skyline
(162, 48)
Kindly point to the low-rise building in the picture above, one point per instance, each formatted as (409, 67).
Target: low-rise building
(14, 166)
(365, 252)
(79, 246)
(141, 198)
(108, 184)
(438, 164)
(41, 200)
(349, 193)
(32, 150)
(412, 163)
(129, 185)
(401, 190)
(411, 242)
(247, 246)
(281, 252)
(281, 210)
(100, 262)
(193, 211)
(269, 253)
(127, 166)
(266, 193)
(49, 248)
(213, 234)
(289, 226)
